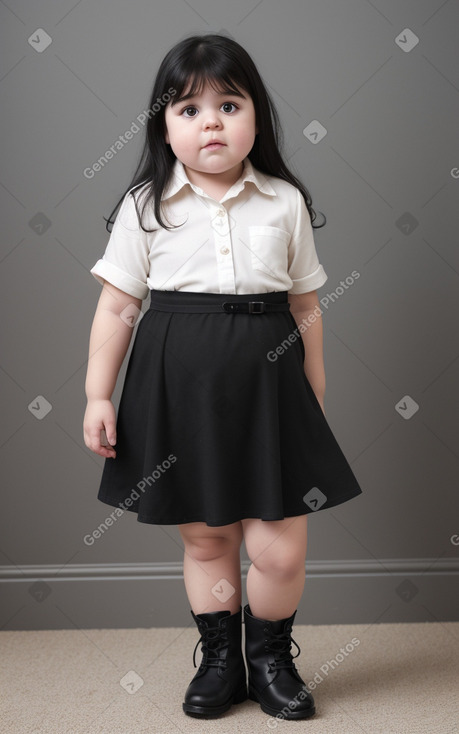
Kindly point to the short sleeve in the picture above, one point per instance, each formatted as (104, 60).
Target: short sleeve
(304, 268)
(125, 262)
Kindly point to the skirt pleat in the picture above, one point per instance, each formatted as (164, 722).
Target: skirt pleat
(214, 426)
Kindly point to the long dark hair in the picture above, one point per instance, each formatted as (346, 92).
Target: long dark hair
(225, 65)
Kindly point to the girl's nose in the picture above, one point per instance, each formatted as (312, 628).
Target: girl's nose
(212, 121)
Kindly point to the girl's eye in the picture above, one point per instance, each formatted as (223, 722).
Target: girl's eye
(229, 104)
(225, 104)
(188, 108)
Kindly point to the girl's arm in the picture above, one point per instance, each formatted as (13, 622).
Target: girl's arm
(109, 341)
(305, 308)
(111, 333)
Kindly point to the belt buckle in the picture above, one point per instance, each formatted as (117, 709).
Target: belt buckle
(253, 304)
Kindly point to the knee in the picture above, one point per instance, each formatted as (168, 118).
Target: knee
(209, 549)
(285, 563)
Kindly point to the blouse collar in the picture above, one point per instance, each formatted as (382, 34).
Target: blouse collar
(179, 179)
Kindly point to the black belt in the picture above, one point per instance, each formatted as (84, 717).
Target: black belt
(252, 307)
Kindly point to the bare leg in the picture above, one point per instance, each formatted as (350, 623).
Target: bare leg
(275, 580)
(212, 566)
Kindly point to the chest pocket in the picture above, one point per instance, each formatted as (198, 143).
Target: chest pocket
(269, 249)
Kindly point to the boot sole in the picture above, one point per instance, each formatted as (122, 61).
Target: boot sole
(212, 711)
(253, 696)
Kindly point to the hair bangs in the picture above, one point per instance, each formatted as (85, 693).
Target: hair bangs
(191, 82)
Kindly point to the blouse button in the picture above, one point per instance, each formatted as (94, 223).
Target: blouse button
(224, 250)
(221, 212)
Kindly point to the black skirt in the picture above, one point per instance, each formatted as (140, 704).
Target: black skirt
(217, 421)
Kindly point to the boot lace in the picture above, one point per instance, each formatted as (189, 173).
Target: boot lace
(279, 644)
(213, 640)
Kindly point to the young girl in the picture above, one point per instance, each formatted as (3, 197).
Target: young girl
(220, 428)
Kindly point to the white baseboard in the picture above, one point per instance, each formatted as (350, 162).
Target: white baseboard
(128, 595)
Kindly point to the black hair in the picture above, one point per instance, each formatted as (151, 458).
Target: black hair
(221, 62)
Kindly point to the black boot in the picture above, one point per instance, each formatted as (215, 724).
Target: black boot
(273, 678)
(221, 679)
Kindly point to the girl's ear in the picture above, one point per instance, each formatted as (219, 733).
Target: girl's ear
(166, 137)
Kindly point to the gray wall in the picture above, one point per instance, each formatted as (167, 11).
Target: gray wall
(387, 176)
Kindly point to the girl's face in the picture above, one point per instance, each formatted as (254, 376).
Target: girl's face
(191, 124)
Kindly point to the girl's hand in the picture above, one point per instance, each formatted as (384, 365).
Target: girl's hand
(99, 427)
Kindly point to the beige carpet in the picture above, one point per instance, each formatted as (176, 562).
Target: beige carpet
(391, 678)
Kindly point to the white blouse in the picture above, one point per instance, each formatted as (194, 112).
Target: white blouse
(258, 238)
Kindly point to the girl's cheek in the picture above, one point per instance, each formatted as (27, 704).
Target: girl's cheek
(246, 135)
